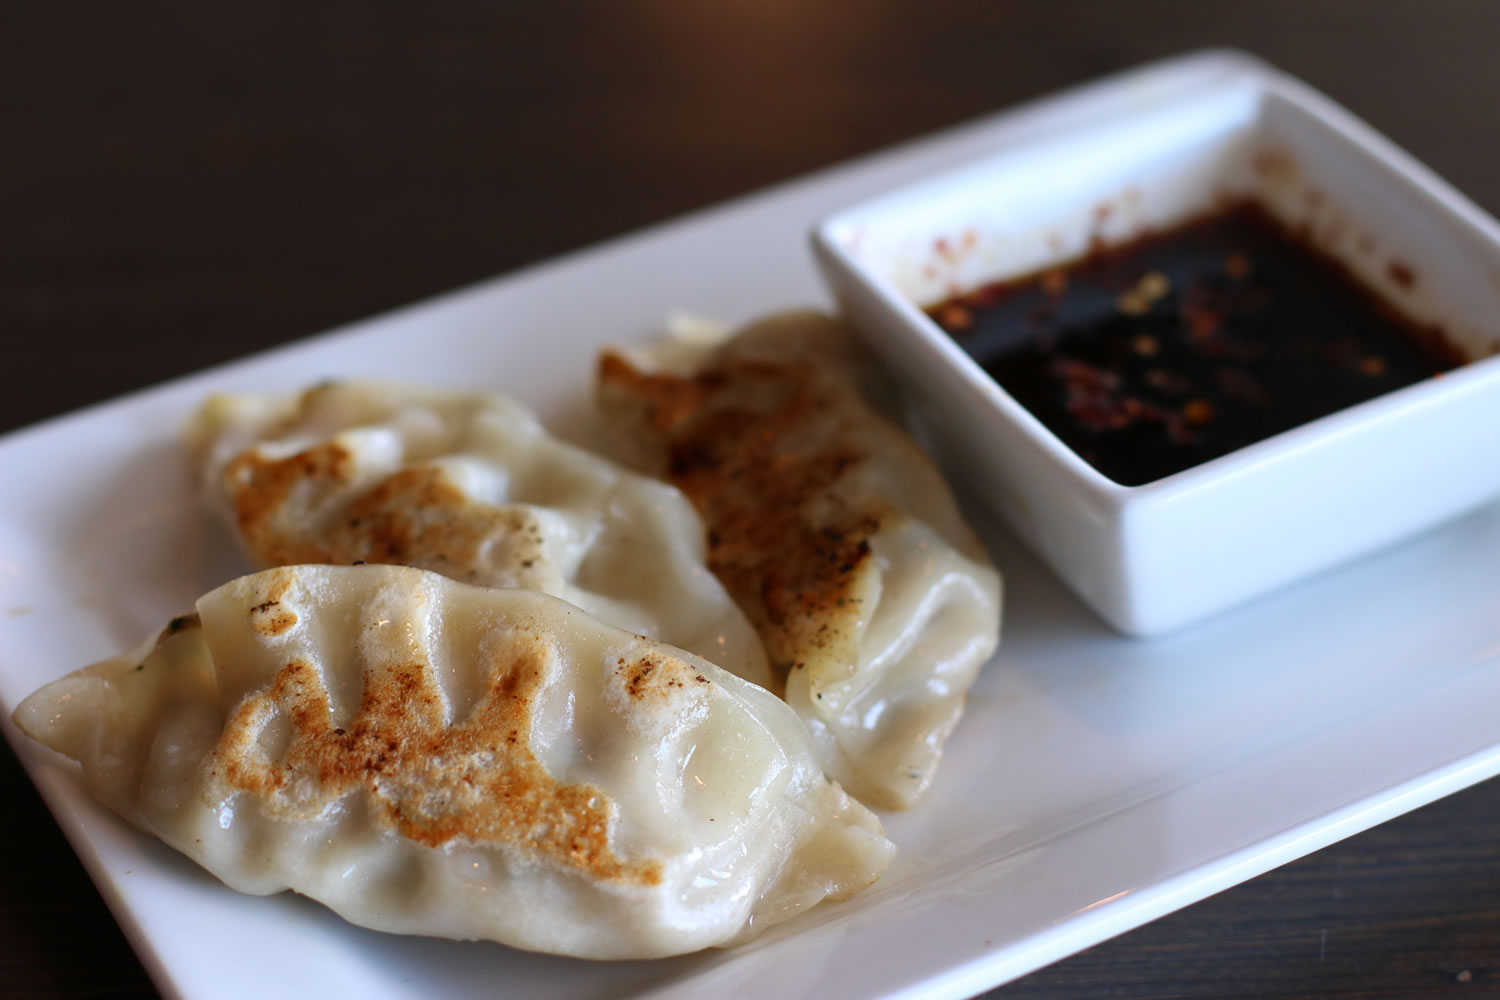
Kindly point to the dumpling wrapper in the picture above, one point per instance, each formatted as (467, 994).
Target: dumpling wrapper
(831, 528)
(427, 757)
(470, 485)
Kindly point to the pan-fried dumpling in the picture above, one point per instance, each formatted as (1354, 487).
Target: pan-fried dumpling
(832, 530)
(428, 757)
(472, 486)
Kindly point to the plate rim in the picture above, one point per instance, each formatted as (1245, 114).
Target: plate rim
(78, 816)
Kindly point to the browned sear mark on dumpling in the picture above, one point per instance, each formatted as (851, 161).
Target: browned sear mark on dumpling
(265, 491)
(758, 447)
(272, 618)
(655, 675)
(474, 781)
(414, 517)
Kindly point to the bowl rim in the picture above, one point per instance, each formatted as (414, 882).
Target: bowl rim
(1429, 190)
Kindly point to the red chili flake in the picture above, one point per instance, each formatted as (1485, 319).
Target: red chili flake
(1177, 430)
(1401, 273)
(1093, 415)
(1238, 384)
(1086, 375)
(1198, 411)
(1055, 282)
(1202, 323)
(955, 317)
(947, 249)
(1372, 366)
(1145, 345)
(1150, 411)
(1237, 266)
(1167, 382)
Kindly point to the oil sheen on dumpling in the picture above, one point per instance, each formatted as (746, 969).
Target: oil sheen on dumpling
(472, 486)
(833, 531)
(428, 757)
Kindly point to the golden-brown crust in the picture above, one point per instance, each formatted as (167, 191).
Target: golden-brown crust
(414, 517)
(263, 489)
(272, 618)
(748, 441)
(655, 675)
(476, 780)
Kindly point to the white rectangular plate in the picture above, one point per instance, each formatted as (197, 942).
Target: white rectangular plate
(1096, 782)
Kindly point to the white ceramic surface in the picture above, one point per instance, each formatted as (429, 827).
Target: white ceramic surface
(1144, 154)
(1095, 783)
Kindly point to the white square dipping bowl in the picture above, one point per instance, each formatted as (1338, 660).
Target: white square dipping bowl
(1141, 152)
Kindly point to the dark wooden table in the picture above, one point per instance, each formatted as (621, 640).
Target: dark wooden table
(183, 183)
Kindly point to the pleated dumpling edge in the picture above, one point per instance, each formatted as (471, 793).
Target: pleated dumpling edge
(432, 758)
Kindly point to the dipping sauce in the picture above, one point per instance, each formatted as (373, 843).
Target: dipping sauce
(1156, 355)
